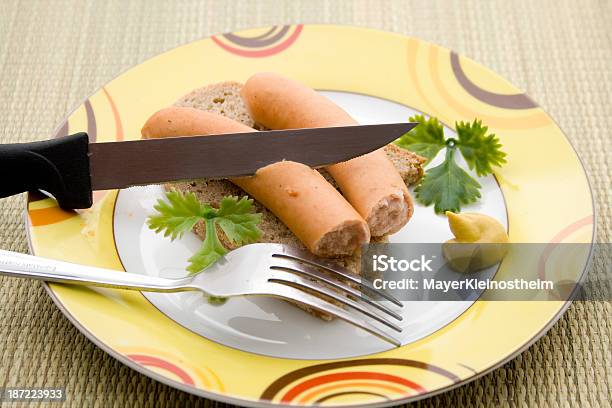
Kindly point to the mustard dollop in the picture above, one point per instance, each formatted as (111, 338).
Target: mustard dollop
(480, 242)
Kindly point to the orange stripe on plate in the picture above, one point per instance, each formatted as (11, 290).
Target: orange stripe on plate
(50, 215)
(351, 375)
(151, 361)
(357, 386)
(412, 46)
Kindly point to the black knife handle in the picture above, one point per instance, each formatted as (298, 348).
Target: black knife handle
(58, 166)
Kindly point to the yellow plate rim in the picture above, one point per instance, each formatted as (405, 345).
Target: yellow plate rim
(235, 400)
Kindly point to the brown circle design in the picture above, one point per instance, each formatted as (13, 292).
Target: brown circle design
(270, 43)
(340, 394)
(515, 101)
(92, 127)
(260, 41)
(273, 389)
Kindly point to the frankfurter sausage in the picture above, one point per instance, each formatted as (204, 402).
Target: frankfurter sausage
(370, 183)
(298, 195)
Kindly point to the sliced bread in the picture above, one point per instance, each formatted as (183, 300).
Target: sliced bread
(224, 99)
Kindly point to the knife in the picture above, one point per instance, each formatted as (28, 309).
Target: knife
(70, 167)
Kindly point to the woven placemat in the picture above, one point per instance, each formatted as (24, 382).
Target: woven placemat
(54, 54)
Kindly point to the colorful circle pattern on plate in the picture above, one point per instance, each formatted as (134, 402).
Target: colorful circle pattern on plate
(405, 70)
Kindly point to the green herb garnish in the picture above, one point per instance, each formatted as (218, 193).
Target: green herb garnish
(181, 212)
(426, 140)
(480, 151)
(448, 186)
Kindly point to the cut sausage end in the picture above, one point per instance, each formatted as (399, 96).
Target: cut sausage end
(343, 240)
(390, 214)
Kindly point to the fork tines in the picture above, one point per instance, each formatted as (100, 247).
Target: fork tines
(332, 285)
(339, 272)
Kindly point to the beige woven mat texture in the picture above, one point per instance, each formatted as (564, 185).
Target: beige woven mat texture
(53, 54)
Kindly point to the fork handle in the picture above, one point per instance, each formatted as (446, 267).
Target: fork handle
(27, 266)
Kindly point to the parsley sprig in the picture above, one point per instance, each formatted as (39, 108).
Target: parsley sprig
(447, 185)
(180, 212)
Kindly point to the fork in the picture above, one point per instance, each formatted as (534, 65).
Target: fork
(272, 270)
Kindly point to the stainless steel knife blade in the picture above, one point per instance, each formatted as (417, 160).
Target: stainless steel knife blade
(137, 162)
